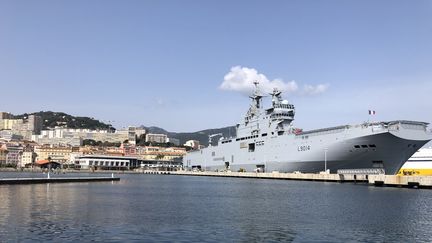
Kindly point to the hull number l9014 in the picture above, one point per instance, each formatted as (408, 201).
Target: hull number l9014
(304, 148)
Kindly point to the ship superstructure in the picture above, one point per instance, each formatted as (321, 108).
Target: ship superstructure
(267, 141)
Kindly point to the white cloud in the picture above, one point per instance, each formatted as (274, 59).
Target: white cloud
(160, 102)
(314, 89)
(241, 79)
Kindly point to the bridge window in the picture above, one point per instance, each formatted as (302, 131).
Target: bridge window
(251, 147)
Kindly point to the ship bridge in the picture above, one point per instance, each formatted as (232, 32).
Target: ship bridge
(277, 118)
(281, 110)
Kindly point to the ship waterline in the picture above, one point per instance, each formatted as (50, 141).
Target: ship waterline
(267, 141)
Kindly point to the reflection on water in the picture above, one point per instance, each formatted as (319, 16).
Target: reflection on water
(180, 208)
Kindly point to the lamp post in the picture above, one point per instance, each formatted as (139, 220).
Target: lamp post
(205, 163)
(325, 159)
(49, 167)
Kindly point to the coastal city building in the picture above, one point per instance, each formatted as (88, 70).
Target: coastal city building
(8, 135)
(105, 162)
(114, 151)
(31, 123)
(157, 165)
(131, 135)
(74, 141)
(28, 159)
(89, 149)
(24, 143)
(128, 149)
(139, 131)
(35, 124)
(156, 138)
(160, 153)
(60, 154)
(5, 115)
(14, 153)
(3, 153)
(9, 124)
(75, 137)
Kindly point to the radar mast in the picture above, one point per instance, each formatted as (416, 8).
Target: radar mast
(256, 102)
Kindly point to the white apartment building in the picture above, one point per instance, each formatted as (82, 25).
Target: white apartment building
(105, 162)
(27, 157)
(156, 138)
(75, 137)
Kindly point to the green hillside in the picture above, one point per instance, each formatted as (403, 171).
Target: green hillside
(52, 119)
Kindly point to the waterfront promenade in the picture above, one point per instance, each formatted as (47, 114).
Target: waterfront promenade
(373, 180)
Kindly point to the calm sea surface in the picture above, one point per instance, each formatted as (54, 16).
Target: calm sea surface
(146, 208)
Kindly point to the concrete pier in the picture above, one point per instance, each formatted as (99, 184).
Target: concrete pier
(11, 181)
(401, 181)
(373, 180)
(280, 176)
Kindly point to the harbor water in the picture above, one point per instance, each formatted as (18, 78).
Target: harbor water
(146, 208)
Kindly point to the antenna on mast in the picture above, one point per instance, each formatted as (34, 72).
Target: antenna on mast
(256, 92)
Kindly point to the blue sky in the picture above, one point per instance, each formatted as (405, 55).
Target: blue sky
(163, 63)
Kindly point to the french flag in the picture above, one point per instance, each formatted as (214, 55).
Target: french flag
(371, 112)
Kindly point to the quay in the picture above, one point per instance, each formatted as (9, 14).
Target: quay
(12, 181)
(373, 180)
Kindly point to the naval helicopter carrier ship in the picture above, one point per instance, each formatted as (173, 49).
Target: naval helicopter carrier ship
(266, 140)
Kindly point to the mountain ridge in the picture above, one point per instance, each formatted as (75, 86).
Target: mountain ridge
(202, 136)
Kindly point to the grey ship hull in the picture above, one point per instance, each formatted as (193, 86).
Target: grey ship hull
(377, 145)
